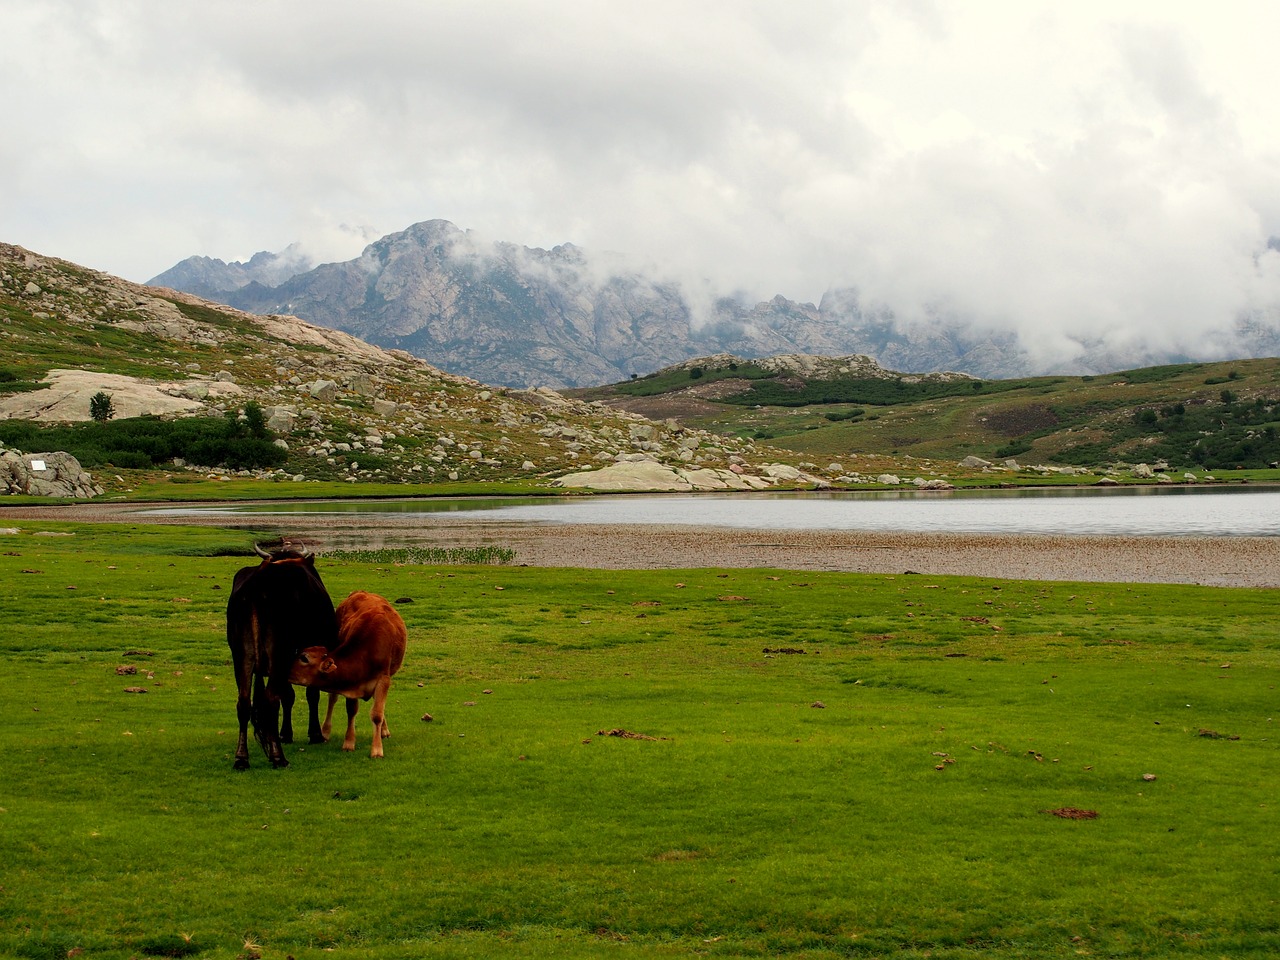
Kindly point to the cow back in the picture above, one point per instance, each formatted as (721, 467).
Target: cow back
(372, 630)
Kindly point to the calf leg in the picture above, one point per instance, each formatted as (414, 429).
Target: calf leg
(353, 705)
(328, 716)
(378, 714)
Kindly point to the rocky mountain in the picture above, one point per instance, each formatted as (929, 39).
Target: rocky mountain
(215, 279)
(519, 316)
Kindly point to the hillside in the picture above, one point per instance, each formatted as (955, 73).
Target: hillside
(1194, 416)
(200, 390)
(276, 397)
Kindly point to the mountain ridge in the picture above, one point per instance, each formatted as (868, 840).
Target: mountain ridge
(517, 316)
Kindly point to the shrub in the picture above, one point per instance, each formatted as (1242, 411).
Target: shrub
(143, 442)
(101, 409)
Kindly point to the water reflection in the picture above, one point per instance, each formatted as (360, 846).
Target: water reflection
(1128, 511)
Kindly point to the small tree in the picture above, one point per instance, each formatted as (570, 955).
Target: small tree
(101, 409)
(255, 419)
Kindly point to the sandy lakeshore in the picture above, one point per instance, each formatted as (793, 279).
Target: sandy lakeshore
(1217, 561)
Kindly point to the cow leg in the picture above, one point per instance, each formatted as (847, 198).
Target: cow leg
(244, 705)
(328, 715)
(286, 718)
(353, 705)
(244, 708)
(269, 724)
(378, 714)
(314, 732)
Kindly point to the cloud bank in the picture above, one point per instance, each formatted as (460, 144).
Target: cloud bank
(1077, 173)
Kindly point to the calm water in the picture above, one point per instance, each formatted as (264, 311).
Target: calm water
(1132, 511)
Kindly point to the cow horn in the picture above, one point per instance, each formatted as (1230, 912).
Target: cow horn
(301, 550)
(257, 548)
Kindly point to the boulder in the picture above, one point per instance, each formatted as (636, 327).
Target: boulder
(65, 396)
(1143, 471)
(325, 391)
(782, 471)
(628, 476)
(56, 474)
(281, 419)
(976, 463)
(363, 385)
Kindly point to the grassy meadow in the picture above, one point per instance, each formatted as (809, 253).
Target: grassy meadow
(815, 765)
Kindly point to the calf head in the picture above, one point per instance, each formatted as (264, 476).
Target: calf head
(312, 662)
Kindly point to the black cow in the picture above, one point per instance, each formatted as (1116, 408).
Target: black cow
(276, 609)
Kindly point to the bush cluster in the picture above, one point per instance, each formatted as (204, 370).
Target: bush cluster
(236, 441)
(1232, 434)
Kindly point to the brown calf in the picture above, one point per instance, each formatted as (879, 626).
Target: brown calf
(371, 642)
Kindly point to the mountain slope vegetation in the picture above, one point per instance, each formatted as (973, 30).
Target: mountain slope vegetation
(1192, 416)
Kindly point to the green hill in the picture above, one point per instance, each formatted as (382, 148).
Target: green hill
(1193, 416)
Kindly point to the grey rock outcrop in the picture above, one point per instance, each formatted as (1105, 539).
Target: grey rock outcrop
(518, 316)
(210, 277)
(54, 474)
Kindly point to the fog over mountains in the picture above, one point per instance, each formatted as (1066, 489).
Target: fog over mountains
(517, 316)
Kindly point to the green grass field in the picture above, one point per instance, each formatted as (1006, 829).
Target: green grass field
(880, 784)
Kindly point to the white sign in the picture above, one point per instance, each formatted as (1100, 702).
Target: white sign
(38, 465)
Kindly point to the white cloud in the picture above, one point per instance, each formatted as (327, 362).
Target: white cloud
(1072, 171)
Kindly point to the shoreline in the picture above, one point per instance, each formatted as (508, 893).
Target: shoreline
(1210, 561)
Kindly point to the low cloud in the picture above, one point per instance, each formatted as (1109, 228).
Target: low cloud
(1077, 174)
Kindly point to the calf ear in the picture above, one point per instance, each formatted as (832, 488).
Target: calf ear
(327, 665)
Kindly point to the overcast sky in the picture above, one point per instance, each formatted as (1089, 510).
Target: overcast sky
(1070, 169)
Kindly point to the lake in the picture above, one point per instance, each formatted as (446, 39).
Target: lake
(1126, 511)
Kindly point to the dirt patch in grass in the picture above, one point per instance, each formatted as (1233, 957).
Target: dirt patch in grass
(624, 734)
(1074, 813)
